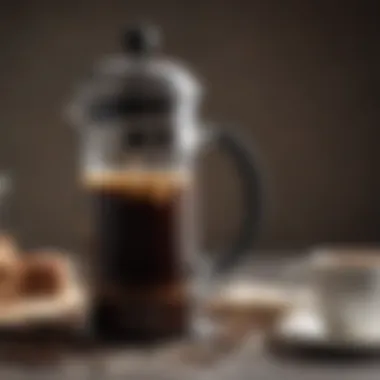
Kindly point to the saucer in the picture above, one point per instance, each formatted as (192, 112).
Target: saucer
(303, 329)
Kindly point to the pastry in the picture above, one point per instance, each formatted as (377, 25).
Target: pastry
(44, 273)
(9, 268)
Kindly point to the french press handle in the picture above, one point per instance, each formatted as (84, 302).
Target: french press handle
(246, 165)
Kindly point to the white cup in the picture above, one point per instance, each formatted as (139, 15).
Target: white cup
(346, 286)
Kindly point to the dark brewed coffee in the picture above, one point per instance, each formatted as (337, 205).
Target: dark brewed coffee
(139, 254)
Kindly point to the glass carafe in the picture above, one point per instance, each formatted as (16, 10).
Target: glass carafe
(141, 135)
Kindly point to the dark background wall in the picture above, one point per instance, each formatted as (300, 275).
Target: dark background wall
(300, 79)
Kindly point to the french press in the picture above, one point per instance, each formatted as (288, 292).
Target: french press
(141, 134)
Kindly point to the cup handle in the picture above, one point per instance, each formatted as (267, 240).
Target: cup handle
(251, 186)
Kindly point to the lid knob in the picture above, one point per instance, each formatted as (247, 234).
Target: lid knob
(141, 39)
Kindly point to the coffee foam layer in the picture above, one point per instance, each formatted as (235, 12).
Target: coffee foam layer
(156, 185)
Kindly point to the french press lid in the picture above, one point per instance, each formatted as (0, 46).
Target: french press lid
(138, 82)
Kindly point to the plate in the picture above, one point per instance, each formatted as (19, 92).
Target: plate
(71, 304)
(303, 330)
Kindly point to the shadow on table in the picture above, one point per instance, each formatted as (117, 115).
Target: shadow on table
(49, 348)
(314, 354)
